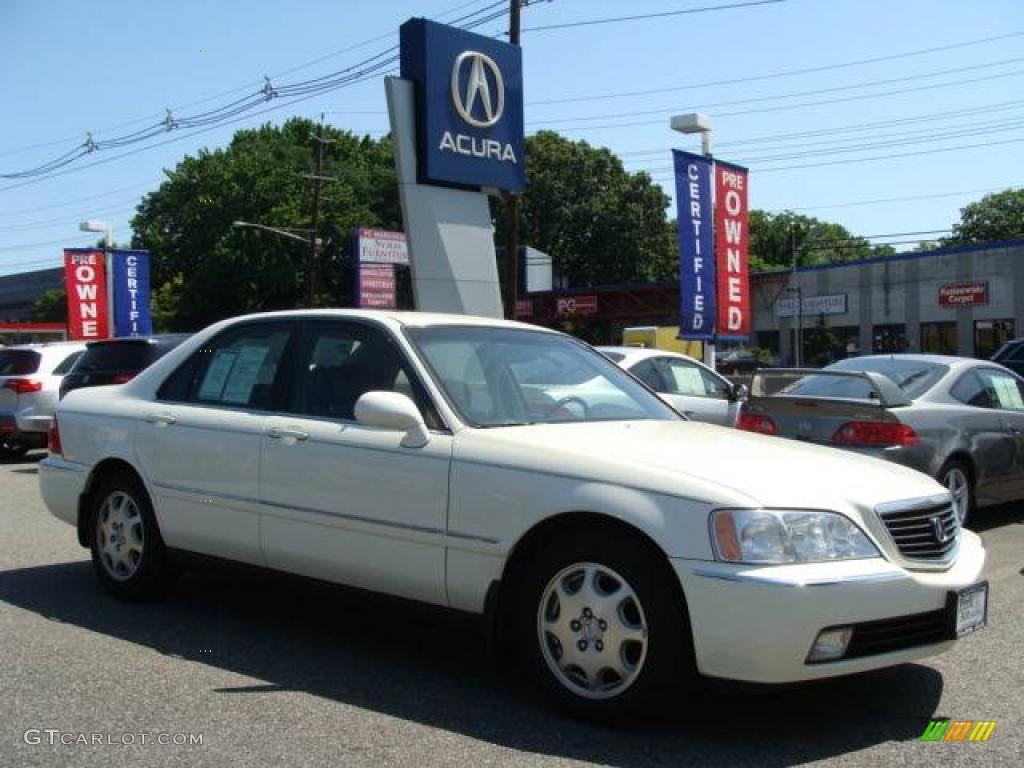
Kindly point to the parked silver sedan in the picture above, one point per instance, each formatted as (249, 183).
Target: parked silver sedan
(689, 386)
(959, 420)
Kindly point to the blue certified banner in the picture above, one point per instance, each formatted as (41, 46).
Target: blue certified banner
(131, 293)
(696, 252)
(469, 106)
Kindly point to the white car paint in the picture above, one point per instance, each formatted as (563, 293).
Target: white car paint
(347, 502)
(684, 383)
(33, 411)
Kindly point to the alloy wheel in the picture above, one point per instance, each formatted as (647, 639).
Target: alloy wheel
(958, 485)
(592, 630)
(120, 535)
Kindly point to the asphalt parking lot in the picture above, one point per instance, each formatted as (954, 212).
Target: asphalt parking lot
(270, 669)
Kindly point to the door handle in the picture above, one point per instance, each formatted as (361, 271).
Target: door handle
(280, 433)
(162, 419)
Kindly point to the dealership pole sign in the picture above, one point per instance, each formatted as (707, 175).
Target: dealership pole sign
(108, 293)
(469, 106)
(714, 275)
(379, 251)
(85, 279)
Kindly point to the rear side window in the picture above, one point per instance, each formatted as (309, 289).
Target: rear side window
(18, 362)
(117, 356)
(67, 363)
(239, 369)
(989, 388)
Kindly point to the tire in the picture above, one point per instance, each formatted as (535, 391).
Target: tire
(12, 451)
(603, 628)
(956, 476)
(128, 553)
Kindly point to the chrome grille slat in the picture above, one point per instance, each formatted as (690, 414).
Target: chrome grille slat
(914, 533)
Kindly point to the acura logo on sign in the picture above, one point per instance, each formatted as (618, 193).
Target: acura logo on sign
(478, 89)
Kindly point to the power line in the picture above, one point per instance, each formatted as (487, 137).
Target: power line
(664, 14)
(784, 73)
(904, 199)
(666, 111)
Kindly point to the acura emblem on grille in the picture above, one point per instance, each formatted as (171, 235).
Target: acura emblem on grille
(941, 535)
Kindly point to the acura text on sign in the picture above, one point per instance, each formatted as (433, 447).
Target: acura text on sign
(85, 278)
(731, 238)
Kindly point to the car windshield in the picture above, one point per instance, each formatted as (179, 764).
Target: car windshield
(18, 362)
(497, 377)
(914, 377)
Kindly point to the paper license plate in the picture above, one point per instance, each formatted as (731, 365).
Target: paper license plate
(971, 609)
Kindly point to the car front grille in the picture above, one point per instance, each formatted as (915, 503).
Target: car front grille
(927, 533)
(887, 635)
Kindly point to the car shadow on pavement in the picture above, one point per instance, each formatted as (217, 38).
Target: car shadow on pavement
(428, 665)
(996, 517)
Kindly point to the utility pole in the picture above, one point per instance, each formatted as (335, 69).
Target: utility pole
(318, 177)
(799, 301)
(511, 200)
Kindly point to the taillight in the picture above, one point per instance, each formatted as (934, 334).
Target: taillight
(121, 378)
(24, 386)
(875, 434)
(756, 422)
(53, 439)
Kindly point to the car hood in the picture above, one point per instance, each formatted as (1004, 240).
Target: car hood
(719, 465)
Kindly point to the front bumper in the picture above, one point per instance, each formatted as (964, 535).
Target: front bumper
(757, 624)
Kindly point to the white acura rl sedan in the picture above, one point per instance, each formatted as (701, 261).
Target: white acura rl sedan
(512, 471)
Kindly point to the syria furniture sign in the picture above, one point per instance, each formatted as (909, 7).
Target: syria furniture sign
(85, 278)
(382, 246)
(469, 106)
(963, 294)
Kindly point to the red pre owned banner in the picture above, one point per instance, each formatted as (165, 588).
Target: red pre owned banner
(731, 238)
(85, 278)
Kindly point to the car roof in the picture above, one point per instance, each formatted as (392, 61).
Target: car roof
(151, 339)
(635, 354)
(950, 360)
(397, 318)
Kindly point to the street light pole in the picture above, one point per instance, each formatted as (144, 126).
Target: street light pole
(92, 225)
(697, 122)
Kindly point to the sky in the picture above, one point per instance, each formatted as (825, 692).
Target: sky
(887, 117)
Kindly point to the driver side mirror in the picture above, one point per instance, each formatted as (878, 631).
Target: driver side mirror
(739, 392)
(395, 411)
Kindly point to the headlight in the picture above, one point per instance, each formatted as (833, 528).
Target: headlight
(778, 537)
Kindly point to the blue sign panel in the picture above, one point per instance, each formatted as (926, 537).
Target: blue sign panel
(469, 106)
(696, 252)
(131, 293)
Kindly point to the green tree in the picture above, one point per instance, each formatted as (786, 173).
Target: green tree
(999, 216)
(203, 269)
(600, 223)
(773, 237)
(51, 307)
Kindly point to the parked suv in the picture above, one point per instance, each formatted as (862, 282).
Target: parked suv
(115, 361)
(29, 377)
(1011, 355)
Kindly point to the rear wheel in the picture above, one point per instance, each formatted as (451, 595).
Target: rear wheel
(603, 629)
(11, 449)
(128, 553)
(957, 478)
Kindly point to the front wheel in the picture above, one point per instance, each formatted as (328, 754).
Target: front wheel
(957, 479)
(604, 629)
(128, 553)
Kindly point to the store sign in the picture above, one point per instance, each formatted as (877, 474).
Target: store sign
(831, 304)
(576, 305)
(469, 106)
(85, 279)
(377, 286)
(131, 293)
(731, 238)
(381, 246)
(696, 257)
(963, 294)
(524, 308)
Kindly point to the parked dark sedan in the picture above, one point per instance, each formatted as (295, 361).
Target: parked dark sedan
(1011, 355)
(115, 361)
(738, 362)
(957, 419)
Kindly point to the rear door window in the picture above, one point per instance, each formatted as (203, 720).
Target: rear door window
(117, 356)
(66, 364)
(18, 362)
